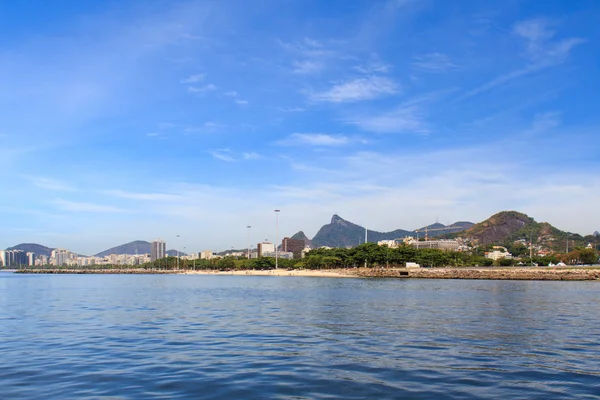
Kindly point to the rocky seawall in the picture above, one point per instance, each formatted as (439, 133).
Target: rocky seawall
(97, 271)
(509, 273)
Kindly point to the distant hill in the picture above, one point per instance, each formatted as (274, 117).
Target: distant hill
(301, 236)
(35, 248)
(342, 233)
(135, 247)
(509, 226)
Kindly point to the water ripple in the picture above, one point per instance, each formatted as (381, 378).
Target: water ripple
(227, 337)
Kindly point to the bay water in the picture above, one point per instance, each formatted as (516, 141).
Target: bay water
(250, 337)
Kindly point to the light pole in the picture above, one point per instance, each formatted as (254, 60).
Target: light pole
(177, 251)
(276, 238)
(248, 229)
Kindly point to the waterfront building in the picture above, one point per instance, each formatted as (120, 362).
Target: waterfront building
(265, 247)
(445, 245)
(60, 257)
(30, 259)
(282, 254)
(498, 253)
(13, 258)
(206, 255)
(294, 246)
(158, 250)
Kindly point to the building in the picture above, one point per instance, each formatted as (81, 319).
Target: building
(13, 258)
(158, 250)
(294, 246)
(206, 255)
(392, 244)
(498, 253)
(60, 257)
(445, 245)
(281, 255)
(30, 259)
(265, 247)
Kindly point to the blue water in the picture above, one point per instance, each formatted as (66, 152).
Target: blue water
(227, 337)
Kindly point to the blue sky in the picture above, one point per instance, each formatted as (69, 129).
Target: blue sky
(136, 120)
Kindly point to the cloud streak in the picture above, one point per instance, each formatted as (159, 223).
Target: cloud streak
(314, 139)
(356, 90)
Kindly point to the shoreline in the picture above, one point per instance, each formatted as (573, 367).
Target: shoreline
(476, 273)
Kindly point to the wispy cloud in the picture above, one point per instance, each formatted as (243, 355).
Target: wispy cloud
(87, 207)
(230, 156)
(141, 196)
(194, 78)
(541, 52)
(291, 109)
(405, 119)
(546, 121)
(373, 68)
(52, 184)
(433, 62)
(306, 67)
(358, 90)
(202, 89)
(541, 49)
(236, 97)
(314, 139)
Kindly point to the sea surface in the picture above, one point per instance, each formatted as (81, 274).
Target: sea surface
(244, 337)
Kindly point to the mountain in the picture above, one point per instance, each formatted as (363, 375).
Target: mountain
(301, 236)
(342, 233)
(508, 226)
(35, 248)
(596, 233)
(135, 247)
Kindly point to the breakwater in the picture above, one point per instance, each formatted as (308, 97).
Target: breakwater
(96, 271)
(508, 273)
(495, 273)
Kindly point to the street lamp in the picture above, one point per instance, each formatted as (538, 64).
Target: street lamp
(248, 228)
(177, 251)
(276, 238)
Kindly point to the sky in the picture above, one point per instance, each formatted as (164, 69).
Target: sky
(192, 120)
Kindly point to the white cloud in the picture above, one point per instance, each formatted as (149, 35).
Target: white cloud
(541, 49)
(87, 207)
(358, 90)
(433, 62)
(545, 121)
(402, 120)
(141, 196)
(202, 89)
(236, 97)
(51, 184)
(194, 78)
(306, 67)
(230, 156)
(314, 139)
(372, 68)
(291, 109)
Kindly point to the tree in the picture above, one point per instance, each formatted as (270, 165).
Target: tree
(588, 256)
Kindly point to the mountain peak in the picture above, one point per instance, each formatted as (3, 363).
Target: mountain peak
(337, 219)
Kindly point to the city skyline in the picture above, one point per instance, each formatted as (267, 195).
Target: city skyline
(197, 118)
